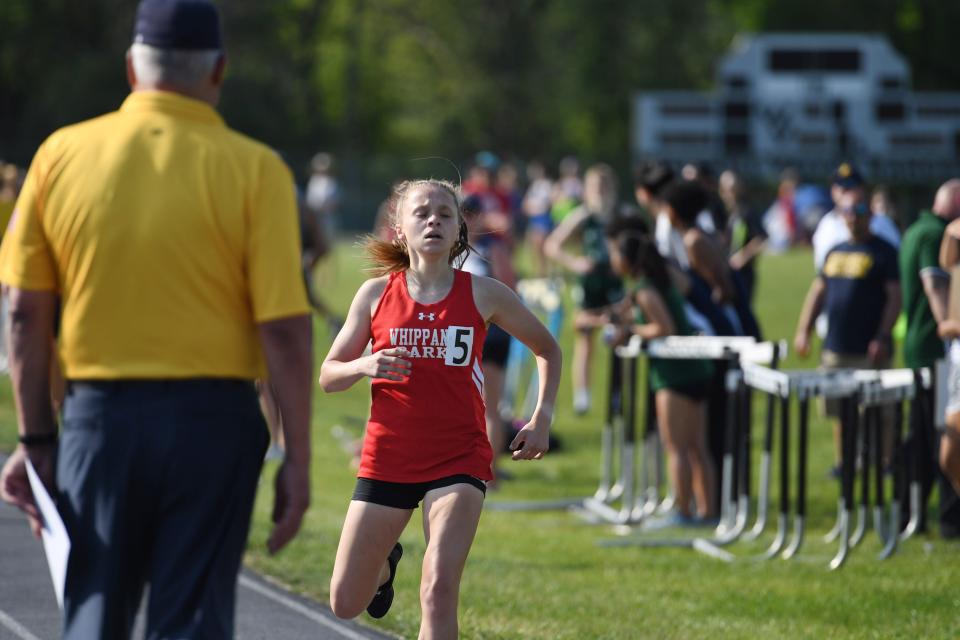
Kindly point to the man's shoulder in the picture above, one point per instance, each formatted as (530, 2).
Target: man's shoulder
(923, 228)
(91, 128)
(248, 145)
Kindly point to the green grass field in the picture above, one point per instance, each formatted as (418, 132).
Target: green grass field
(542, 575)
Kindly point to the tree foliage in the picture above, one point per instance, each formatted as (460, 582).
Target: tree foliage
(381, 82)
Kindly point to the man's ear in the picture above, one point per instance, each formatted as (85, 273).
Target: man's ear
(131, 74)
(219, 70)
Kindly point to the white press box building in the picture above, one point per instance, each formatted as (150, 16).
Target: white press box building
(807, 101)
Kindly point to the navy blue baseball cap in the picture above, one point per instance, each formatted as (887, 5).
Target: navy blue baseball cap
(178, 24)
(846, 177)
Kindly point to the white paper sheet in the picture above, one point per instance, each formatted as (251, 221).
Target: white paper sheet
(56, 542)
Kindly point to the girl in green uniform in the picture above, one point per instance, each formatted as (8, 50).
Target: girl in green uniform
(680, 385)
(597, 287)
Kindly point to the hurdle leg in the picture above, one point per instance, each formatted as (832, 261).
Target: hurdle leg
(742, 461)
(651, 451)
(916, 433)
(727, 503)
(629, 399)
(875, 422)
(781, 537)
(893, 533)
(848, 438)
(864, 440)
(763, 491)
(834, 533)
(803, 442)
(605, 492)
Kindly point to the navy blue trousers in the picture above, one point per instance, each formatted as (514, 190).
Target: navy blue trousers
(156, 482)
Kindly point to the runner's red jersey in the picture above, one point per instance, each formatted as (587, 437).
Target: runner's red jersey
(431, 424)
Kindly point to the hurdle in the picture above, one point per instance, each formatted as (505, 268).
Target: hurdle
(735, 469)
(856, 390)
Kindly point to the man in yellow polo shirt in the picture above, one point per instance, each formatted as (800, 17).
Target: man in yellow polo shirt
(171, 243)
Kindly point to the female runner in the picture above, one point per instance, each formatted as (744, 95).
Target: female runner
(426, 439)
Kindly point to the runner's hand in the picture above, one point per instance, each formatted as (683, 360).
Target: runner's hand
(532, 442)
(290, 502)
(387, 363)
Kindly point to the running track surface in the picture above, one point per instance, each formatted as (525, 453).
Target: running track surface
(28, 608)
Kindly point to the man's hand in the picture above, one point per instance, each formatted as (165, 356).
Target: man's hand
(291, 499)
(801, 344)
(581, 265)
(948, 329)
(878, 350)
(15, 485)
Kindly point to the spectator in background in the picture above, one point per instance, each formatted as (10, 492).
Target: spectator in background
(713, 219)
(832, 228)
(858, 289)
(597, 286)
(323, 194)
(708, 261)
(780, 220)
(318, 228)
(568, 190)
(489, 201)
(536, 207)
(882, 205)
(745, 235)
(680, 387)
(931, 249)
(651, 179)
(507, 189)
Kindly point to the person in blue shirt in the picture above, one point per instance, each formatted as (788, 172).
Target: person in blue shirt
(858, 288)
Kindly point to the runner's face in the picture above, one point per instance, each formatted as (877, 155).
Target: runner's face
(429, 221)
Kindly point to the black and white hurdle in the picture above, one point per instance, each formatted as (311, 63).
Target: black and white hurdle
(862, 394)
(627, 498)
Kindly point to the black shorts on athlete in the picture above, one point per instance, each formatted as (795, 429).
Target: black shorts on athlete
(407, 495)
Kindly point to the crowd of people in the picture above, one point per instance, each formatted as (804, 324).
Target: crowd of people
(681, 259)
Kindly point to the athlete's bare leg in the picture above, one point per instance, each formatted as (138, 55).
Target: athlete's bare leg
(450, 518)
(368, 536)
(950, 450)
(582, 357)
(683, 428)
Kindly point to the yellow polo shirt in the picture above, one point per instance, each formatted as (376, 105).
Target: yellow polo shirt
(167, 236)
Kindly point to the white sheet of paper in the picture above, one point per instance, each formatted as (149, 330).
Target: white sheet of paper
(56, 542)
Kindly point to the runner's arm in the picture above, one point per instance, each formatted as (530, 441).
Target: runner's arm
(506, 310)
(345, 363)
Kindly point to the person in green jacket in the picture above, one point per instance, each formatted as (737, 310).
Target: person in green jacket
(654, 310)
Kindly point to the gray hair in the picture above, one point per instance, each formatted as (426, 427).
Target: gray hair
(177, 67)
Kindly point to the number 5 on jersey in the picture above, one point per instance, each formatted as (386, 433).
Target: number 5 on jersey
(459, 346)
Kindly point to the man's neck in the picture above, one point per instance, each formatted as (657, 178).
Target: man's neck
(209, 96)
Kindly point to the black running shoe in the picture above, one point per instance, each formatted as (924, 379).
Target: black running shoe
(382, 600)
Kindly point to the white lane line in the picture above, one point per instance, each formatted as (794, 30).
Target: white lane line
(18, 629)
(293, 605)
